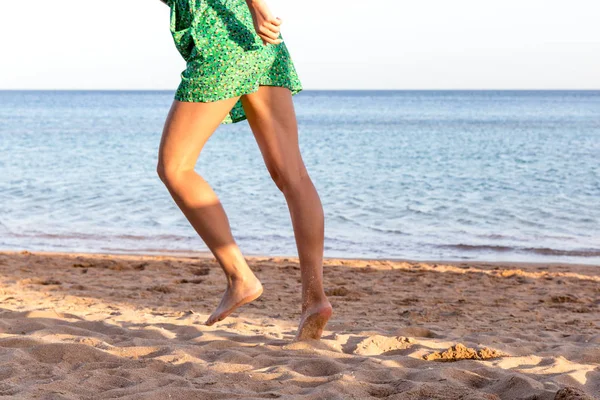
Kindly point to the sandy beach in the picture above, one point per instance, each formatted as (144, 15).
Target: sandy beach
(100, 326)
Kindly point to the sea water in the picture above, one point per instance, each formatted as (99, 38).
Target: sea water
(423, 175)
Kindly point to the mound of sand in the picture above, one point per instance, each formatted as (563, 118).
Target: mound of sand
(461, 352)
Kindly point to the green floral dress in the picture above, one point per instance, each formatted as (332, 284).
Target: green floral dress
(224, 55)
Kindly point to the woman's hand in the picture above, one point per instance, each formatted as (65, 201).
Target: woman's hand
(265, 24)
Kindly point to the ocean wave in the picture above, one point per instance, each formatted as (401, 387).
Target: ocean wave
(516, 249)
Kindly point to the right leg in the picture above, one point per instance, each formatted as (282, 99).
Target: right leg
(187, 128)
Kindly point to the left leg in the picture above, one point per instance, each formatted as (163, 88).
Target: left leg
(271, 116)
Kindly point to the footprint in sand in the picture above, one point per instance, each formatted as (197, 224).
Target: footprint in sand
(318, 367)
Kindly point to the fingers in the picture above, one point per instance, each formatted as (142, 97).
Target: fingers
(269, 40)
(269, 31)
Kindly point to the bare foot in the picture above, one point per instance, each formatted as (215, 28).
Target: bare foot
(313, 321)
(236, 295)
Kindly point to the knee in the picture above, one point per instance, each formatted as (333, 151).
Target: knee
(169, 175)
(289, 180)
(161, 171)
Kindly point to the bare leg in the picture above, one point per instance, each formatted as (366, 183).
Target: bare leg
(187, 128)
(272, 118)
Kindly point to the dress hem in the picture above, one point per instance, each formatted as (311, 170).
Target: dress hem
(240, 92)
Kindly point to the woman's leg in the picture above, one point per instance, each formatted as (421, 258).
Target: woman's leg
(187, 128)
(272, 118)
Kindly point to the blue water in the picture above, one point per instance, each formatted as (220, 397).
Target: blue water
(425, 175)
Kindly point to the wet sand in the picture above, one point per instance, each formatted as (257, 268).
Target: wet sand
(100, 326)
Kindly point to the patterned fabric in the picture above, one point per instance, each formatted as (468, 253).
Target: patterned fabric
(224, 55)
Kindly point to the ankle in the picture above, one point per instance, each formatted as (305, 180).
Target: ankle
(315, 300)
(241, 278)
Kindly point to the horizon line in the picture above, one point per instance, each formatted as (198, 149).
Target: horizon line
(306, 90)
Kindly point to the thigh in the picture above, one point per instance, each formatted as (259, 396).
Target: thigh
(187, 128)
(272, 118)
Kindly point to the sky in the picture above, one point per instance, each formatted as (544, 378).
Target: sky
(334, 44)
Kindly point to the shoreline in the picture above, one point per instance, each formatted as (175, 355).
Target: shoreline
(208, 255)
(96, 325)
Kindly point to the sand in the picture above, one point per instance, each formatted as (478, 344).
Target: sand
(99, 326)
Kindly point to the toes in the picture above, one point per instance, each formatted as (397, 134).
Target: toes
(213, 319)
